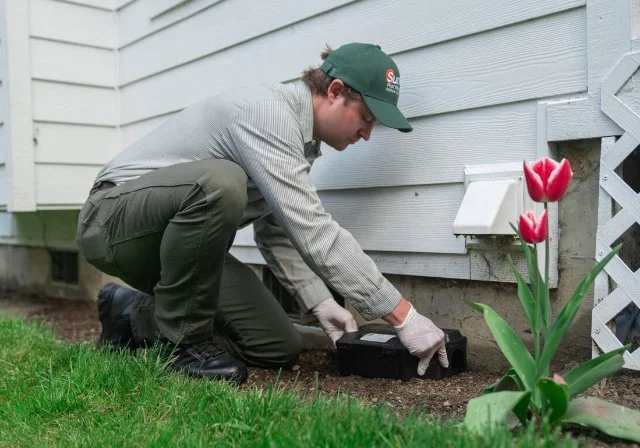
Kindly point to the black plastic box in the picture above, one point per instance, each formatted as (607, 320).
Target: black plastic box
(374, 351)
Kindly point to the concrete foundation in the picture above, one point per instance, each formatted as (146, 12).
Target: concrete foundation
(442, 300)
(28, 270)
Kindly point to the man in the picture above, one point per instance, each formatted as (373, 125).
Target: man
(163, 214)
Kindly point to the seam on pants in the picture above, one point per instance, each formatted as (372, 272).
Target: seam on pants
(190, 300)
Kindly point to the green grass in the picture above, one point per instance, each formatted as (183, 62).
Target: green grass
(52, 394)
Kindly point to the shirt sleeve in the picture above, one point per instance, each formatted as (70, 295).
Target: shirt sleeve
(269, 145)
(287, 265)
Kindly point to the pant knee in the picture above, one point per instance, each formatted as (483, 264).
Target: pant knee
(289, 352)
(225, 187)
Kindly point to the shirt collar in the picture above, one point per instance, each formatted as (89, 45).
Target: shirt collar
(299, 96)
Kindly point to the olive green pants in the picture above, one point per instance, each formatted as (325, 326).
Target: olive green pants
(167, 234)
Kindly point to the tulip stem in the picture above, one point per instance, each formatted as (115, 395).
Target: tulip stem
(546, 284)
(546, 267)
(536, 333)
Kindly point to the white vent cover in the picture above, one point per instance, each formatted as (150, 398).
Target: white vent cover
(495, 197)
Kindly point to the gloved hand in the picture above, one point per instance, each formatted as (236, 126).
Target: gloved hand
(334, 319)
(423, 339)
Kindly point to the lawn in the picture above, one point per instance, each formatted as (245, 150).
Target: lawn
(55, 394)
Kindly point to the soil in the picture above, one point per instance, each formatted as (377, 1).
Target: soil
(77, 321)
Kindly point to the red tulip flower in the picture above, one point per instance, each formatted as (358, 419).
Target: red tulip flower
(533, 230)
(547, 180)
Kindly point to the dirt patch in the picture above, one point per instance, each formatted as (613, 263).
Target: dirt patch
(76, 321)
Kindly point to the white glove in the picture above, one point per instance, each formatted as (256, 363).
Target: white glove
(334, 319)
(423, 339)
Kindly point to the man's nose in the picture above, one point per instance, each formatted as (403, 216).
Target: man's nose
(365, 132)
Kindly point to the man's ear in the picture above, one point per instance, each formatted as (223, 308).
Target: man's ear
(335, 90)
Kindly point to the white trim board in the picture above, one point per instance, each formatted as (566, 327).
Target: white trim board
(477, 265)
(609, 38)
(20, 163)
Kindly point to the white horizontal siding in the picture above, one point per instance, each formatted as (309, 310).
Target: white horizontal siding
(70, 144)
(120, 4)
(71, 63)
(538, 58)
(63, 103)
(135, 17)
(435, 152)
(63, 185)
(70, 22)
(231, 24)
(107, 5)
(159, 7)
(222, 26)
(404, 219)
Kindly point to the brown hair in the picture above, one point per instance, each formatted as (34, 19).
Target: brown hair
(318, 81)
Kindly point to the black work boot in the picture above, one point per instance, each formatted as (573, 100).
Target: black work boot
(114, 308)
(204, 359)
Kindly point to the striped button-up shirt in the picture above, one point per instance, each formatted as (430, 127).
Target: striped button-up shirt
(268, 132)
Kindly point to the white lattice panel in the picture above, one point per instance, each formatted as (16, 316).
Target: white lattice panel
(610, 228)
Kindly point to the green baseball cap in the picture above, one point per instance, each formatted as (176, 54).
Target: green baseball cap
(373, 74)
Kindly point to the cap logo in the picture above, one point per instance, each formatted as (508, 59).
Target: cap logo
(393, 82)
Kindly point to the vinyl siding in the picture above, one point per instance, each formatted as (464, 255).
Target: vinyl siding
(472, 75)
(75, 103)
(105, 73)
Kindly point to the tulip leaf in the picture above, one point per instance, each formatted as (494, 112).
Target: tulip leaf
(568, 313)
(527, 300)
(555, 398)
(510, 344)
(538, 286)
(611, 419)
(487, 411)
(589, 373)
(509, 381)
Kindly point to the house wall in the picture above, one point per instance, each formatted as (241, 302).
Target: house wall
(470, 91)
(103, 74)
(443, 300)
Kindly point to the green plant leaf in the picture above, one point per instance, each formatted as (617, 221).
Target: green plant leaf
(564, 319)
(538, 286)
(611, 419)
(555, 398)
(527, 300)
(509, 381)
(487, 411)
(545, 304)
(510, 344)
(589, 373)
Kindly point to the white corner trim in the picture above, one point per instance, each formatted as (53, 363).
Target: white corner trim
(20, 157)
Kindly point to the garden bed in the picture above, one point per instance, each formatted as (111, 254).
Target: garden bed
(316, 371)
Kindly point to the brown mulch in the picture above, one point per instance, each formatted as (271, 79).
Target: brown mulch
(77, 321)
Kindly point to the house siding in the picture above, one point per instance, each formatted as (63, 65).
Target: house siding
(105, 73)
(472, 74)
(75, 100)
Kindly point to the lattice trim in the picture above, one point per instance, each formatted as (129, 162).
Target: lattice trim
(608, 304)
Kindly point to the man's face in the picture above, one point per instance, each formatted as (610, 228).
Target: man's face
(348, 121)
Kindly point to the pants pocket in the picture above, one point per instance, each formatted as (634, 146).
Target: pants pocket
(93, 243)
